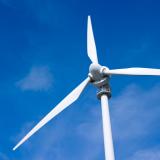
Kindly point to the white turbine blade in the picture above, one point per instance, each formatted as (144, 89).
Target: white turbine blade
(73, 96)
(107, 132)
(91, 46)
(134, 71)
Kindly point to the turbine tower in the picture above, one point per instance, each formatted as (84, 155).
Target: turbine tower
(99, 76)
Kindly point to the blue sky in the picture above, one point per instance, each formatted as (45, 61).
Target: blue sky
(43, 57)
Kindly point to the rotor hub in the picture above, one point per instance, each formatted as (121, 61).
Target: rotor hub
(96, 72)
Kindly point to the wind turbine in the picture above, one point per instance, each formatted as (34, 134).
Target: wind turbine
(98, 76)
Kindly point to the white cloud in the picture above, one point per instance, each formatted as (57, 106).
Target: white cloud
(135, 112)
(148, 154)
(38, 78)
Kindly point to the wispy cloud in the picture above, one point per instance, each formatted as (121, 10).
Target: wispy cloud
(90, 131)
(3, 156)
(46, 12)
(53, 140)
(134, 114)
(150, 154)
(38, 79)
(47, 144)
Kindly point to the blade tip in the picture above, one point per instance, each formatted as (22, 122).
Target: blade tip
(14, 149)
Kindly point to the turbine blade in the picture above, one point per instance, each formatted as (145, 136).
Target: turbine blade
(134, 71)
(73, 96)
(91, 46)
